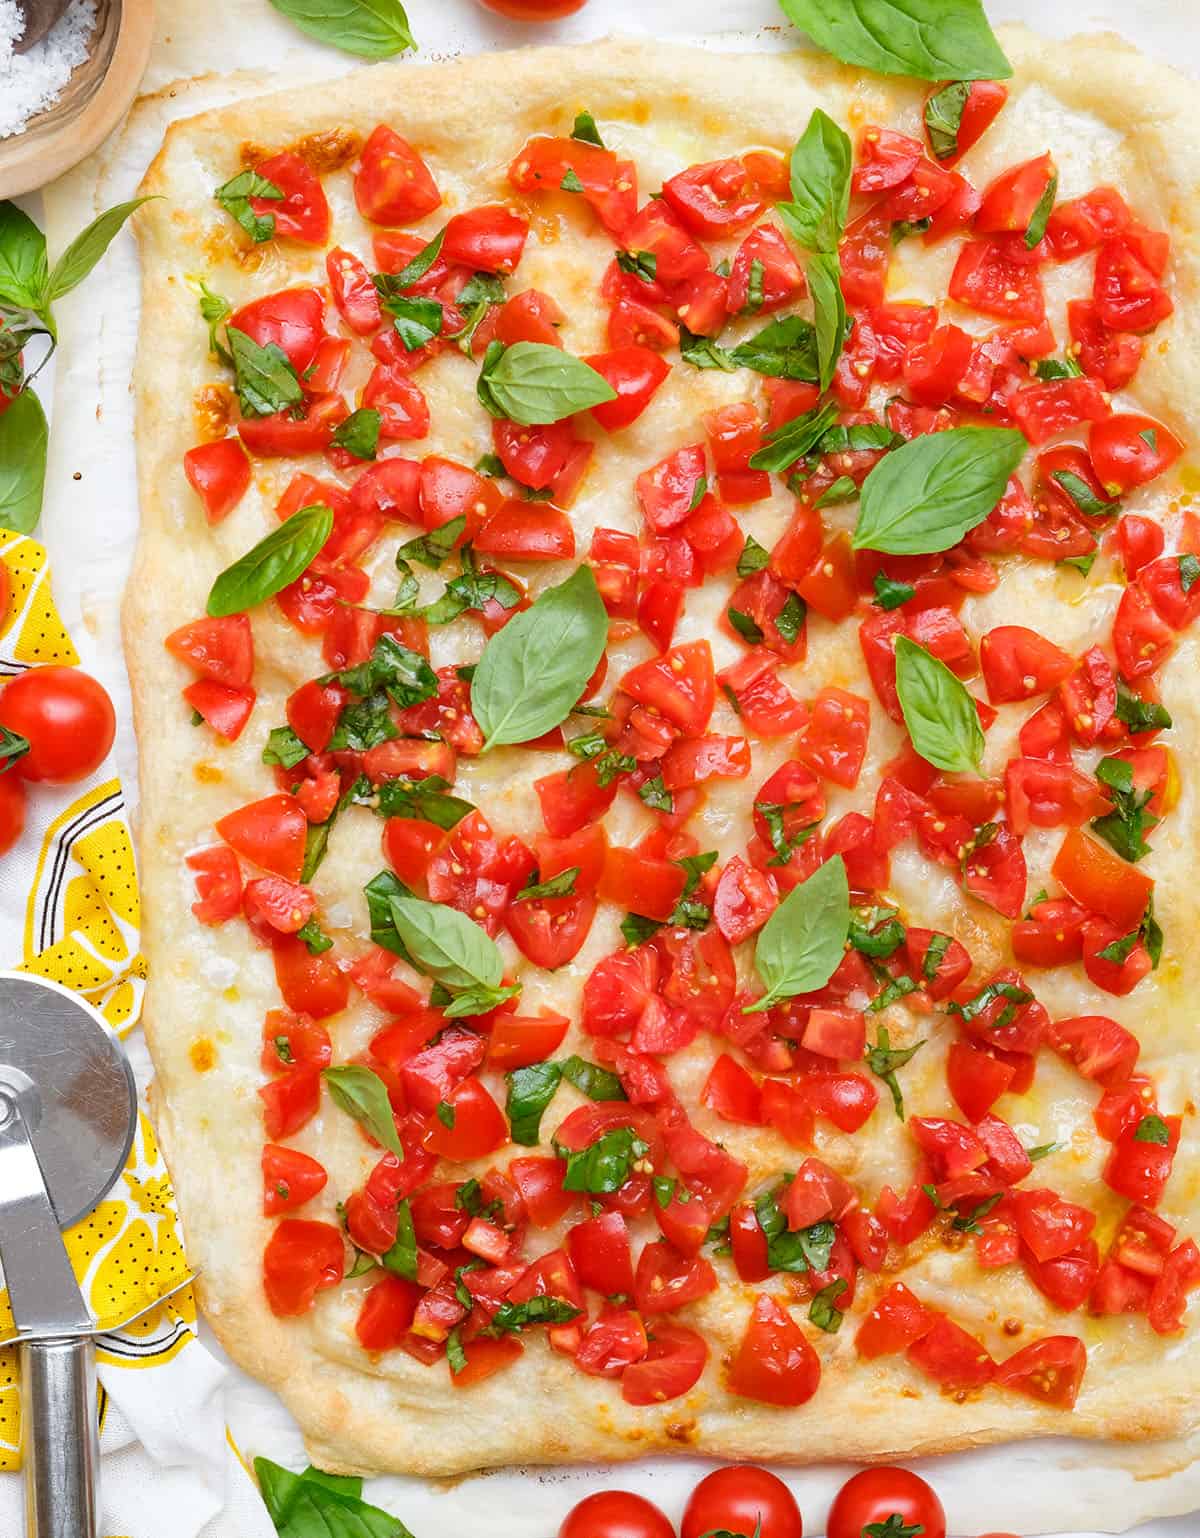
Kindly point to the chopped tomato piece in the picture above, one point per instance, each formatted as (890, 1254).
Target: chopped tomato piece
(774, 1363)
(393, 185)
(300, 1259)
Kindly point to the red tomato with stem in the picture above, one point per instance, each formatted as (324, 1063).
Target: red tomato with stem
(67, 719)
(875, 1495)
(742, 1499)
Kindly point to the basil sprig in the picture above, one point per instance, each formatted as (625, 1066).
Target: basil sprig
(319, 1505)
(362, 1094)
(940, 714)
(534, 670)
(533, 383)
(930, 39)
(802, 943)
(271, 564)
(925, 495)
(370, 29)
(816, 217)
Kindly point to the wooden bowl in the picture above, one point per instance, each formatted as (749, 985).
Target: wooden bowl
(92, 103)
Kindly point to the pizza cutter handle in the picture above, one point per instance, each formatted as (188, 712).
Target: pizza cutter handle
(60, 1438)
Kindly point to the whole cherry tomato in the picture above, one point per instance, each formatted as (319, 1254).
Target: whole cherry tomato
(615, 1514)
(533, 10)
(742, 1499)
(877, 1494)
(67, 718)
(12, 809)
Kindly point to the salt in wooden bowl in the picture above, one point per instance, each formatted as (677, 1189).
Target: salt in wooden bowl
(93, 101)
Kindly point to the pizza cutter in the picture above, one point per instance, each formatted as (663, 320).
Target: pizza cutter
(68, 1111)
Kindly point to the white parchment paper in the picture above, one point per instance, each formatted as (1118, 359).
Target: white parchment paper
(209, 53)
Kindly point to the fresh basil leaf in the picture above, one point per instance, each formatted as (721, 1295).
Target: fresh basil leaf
(823, 1310)
(316, 842)
(1083, 496)
(820, 176)
(359, 433)
(1042, 1151)
(883, 1059)
(86, 250)
(234, 197)
(390, 283)
(842, 490)
(783, 349)
(1152, 1129)
(405, 674)
(264, 378)
(317, 1505)
(369, 29)
(639, 264)
(753, 557)
(416, 321)
(511, 1317)
(562, 885)
(401, 1255)
(379, 892)
(790, 442)
(635, 928)
(794, 1250)
(802, 943)
(23, 266)
(899, 988)
(930, 39)
(848, 438)
(422, 801)
(755, 296)
(534, 670)
(943, 117)
(585, 130)
(1126, 826)
(604, 1167)
(1015, 998)
(878, 932)
(433, 548)
(903, 228)
(530, 1091)
(23, 438)
(1140, 715)
(445, 944)
(749, 630)
(362, 1094)
(478, 1000)
(570, 181)
(364, 724)
(1058, 368)
(940, 714)
(889, 594)
(284, 748)
(533, 383)
(924, 496)
(1080, 563)
(704, 352)
(829, 312)
(214, 308)
(654, 794)
(280, 558)
(1041, 214)
(591, 1080)
(1189, 571)
(790, 619)
(314, 937)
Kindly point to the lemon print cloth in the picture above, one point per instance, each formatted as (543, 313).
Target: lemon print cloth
(69, 912)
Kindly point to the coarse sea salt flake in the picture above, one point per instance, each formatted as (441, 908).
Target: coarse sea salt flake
(31, 82)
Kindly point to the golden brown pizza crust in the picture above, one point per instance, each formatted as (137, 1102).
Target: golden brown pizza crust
(469, 117)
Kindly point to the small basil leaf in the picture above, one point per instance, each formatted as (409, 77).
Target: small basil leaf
(1041, 214)
(284, 748)
(446, 944)
(533, 383)
(86, 249)
(23, 439)
(264, 377)
(939, 712)
(362, 1094)
(416, 321)
(604, 1167)
(530, 1091)
(784, 349)
(790, 442)
(802, 943)
(534, 670)
(820, 176)
(389, 283)
(704, 352)
(591, 1080)
(585, 130)
(943, 118)
(930, 39)
(275, 561)
(370, 29)
(422, 801)
(359, 433)
(234, 197)
(23, 265)
(924, 496)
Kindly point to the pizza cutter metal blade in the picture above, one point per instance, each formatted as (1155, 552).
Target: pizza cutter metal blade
(68, 1111)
